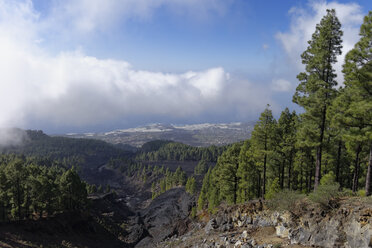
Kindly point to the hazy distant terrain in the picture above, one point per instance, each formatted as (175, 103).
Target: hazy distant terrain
(205, 134)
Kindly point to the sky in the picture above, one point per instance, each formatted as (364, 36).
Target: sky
(93, 65)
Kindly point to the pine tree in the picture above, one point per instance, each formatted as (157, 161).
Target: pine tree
(248, 174)
(317, 84)
(226, 170)
(191, 185)
(262, 137)
(201, 168)
(15, 172)
(4, 194)
(73, 190)
(203, 196)
(285, 145)
(358, 91)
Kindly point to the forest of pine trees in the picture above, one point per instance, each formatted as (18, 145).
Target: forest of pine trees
(174, 151)
(332, 137)
(169, 180)
(29, 190)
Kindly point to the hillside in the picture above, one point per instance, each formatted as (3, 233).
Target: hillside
(205, 134)
(89, 151)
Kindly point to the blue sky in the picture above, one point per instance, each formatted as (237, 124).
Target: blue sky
(232, 37)
(90, 65)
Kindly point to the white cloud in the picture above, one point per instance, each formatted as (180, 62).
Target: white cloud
(281, 85)
(74, 89)
(303, 25)
(12, 137)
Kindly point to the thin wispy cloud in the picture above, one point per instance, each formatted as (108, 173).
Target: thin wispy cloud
(92, 15)
(281, 85)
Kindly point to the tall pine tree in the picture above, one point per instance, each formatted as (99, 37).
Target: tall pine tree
(317, 84)
(262, 137)
(358, 90)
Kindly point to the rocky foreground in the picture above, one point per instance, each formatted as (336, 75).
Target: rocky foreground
(349, 224)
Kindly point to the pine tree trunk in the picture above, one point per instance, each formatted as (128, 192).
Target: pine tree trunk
(3, 212)
(235, 188)
(307, 180)
(318, 166)
(259, 186)
(369, 173)
(356, 170)
(19, 199)
(310, 180)
(290, 170)
(41, 213)
(264, 177)
(282, 175)
(264, 168)
(338, 163)
(301, 178)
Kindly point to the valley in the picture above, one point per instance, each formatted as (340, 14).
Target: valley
(129, 207)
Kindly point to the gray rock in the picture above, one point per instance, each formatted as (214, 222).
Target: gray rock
(358, 236)
(325, 234)
(299, 236)
(136, 233)
(249, 220)
(226, 227)
(211, 225)
(220, 220)
(241, 223)
(146, 242)
(167, 215)
(238, 243)
(262, 222)
(252, 242)
(282, 231)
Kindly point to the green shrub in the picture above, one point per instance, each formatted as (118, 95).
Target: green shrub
(324, 194)
(284, 200)
(346, 192)
(362, 193)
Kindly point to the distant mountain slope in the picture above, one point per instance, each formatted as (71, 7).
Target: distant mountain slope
(87, 153)
(205, 134)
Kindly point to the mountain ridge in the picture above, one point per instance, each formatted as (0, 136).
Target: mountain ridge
(203, 134)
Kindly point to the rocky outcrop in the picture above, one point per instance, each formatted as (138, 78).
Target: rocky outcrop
(349, 226)
(345, 227)
(166, 216)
